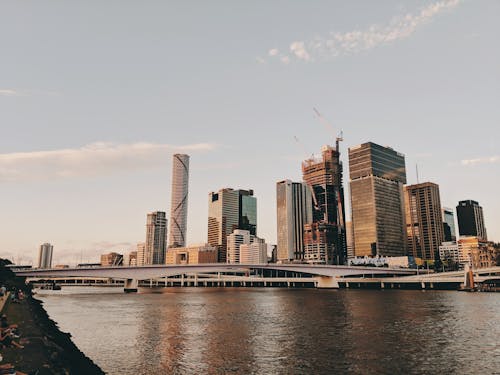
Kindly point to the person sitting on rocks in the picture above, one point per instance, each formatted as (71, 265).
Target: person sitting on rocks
(7, 368)
(6, 339)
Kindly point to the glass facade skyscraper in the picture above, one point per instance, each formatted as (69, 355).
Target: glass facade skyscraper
(377, 176)
(471, 220)
(156, 238)
(449, 231)
(230, 209)
(179, 202)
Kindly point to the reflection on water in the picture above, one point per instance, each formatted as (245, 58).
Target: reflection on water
(279, 331)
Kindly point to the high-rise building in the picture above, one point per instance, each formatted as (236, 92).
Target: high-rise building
(294, 209)
(377, 176)
(471, 220)
(230, 209)
(111, 259)
(156, 238)
(349, 239)
(324, 177)
(424, 220)
(179, 202)
(141, 254)
(450, 234)
(45, 255)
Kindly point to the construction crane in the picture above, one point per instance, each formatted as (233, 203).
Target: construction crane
(339, 137)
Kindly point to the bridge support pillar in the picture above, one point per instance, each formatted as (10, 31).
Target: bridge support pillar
(327, 282)
(131, 286)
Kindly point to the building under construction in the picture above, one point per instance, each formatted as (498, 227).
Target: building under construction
(325, 237)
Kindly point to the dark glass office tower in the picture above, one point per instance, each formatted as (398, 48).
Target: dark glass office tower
(471, 220)
(377, 176)
(450, 234)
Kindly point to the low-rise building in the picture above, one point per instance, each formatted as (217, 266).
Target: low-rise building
(477, 252)
(449, 253)
(254, 253)
(195, 254)
(132, 259)
(111, 259)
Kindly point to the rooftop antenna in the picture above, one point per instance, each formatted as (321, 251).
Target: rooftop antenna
(416, 168)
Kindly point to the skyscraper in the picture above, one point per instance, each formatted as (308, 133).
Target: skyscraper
(156, 238)
(424, 223)
(179, 202)
(471, 220)
(294, 209)
(45, 255)
(377, 177)
(141, 254)
(230, 209)
(449, 231)
(324, 177)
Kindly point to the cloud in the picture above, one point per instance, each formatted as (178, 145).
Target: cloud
(95, 159)
(347, 43)
(487, 160)
(9, 92)
(30, 92)
(299, 51)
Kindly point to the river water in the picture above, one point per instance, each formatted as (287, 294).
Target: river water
(284, 331)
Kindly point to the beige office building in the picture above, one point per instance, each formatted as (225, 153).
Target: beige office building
(196, 254)
(294, 209)
(141, 254)
(424, 220)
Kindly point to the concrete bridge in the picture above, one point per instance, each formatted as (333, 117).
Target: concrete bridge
(326, 275)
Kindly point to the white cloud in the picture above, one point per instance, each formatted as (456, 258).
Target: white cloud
(95, 159)
(355, 41)
(9, 92)
(487, 160)
(298, 49)
(30, 92)
(285, 59)
(273, 52)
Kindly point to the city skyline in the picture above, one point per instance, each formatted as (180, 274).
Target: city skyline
(79, 145)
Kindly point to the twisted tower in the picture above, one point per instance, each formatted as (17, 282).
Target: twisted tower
(179, 204)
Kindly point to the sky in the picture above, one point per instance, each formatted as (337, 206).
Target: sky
(96, 96)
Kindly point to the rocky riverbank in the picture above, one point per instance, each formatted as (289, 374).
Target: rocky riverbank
(46, 350)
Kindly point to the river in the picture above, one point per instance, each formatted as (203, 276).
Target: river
(284, 331)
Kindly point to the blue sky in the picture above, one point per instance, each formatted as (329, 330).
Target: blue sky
(95, 97)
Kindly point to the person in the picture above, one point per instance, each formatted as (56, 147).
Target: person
(7, 368)
(6, 339)
(5, 324)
